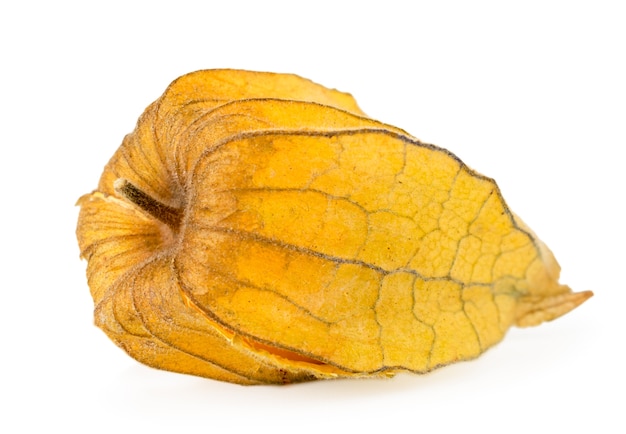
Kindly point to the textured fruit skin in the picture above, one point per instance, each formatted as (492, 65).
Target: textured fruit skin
(259, 228)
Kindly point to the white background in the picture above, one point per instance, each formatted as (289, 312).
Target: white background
(532, 95)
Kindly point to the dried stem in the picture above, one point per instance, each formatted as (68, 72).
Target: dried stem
(168, 215)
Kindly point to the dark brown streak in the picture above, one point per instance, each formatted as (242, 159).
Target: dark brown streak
(168, 215)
